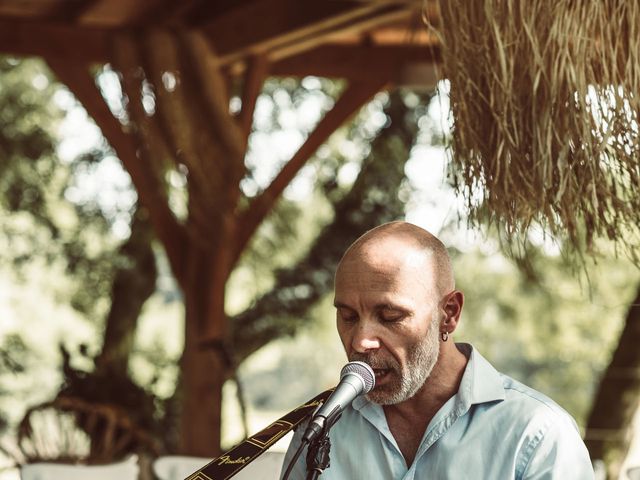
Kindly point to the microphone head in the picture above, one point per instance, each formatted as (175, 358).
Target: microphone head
(363, 371)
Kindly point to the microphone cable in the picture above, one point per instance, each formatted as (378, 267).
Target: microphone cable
(293, 461)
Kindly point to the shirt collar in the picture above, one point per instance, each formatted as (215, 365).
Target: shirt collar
(480, 380)
(481, 383)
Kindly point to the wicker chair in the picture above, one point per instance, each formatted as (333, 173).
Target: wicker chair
(71, 430)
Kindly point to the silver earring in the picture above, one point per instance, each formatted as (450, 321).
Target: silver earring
(444, 336)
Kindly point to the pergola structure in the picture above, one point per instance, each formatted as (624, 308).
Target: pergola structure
(352, 39)
(191, 54)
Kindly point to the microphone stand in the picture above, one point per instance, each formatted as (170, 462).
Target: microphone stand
(319, 449)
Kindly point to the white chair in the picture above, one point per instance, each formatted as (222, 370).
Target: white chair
(173, 467)
(125, 470)
(633, 473)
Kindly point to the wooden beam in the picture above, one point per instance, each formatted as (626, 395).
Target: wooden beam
(280, 27)
(253, 79)
(70, 10)
(204, 62)
(163, 13)
(356, 30)
(202, 11)
(183, 127)
(351, 100)
(357, 63)
(263, 25)
(83, 45)
(78, 79)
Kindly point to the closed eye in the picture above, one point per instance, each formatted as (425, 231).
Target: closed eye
(389, 314)
(347, 315)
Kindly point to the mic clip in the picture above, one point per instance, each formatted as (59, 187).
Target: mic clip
(319, 426)
(320, 446)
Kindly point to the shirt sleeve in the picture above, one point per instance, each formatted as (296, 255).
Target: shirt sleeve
(558, 453)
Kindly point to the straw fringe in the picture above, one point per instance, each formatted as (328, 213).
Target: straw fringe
(544, 98)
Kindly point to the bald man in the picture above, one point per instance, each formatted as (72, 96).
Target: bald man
(439, 410)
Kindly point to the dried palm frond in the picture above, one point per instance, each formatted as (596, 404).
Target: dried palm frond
(545, 102)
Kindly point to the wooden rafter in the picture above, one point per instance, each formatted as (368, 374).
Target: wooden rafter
(127, 60)
(55, 41)
(71, 10)
(120, 14)
(213, 87)
(264, 25)
(356, 62)
(279, 28)
(78, 79)
(209, 81)
(355, 29)
(170, 12)
(354, 97)
(253, 79)
(162, 58)
(202, 11)
(184, 130)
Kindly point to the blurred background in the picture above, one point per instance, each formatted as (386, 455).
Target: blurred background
(167, 245)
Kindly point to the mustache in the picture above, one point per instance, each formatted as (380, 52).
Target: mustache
(375, 360)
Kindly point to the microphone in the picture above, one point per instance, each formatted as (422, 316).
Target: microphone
(356, 378)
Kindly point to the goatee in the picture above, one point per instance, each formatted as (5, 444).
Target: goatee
(404, 382)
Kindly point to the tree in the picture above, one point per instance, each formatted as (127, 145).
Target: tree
(176, 121)
(132, 277)
(542, 325)
(616, 400)
(556, 326)
(45, 223)
(372, 199)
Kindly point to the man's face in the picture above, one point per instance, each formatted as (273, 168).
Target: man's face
(387, 317)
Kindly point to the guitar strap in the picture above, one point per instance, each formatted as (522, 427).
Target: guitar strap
(231, 462)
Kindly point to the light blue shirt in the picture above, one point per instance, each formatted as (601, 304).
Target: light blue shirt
(494, 428)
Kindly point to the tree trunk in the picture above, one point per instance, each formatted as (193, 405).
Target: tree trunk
(133, 284)
(608, 432)
(204, 367)
(202, 378)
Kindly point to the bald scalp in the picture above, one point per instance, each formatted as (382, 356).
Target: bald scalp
(413, 240)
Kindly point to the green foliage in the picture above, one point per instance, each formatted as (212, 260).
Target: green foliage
(53, 214)
(40, 222)
(78, 230)
(28, 119)
(373, 198)
(50, 220)
(286, 236)
(13, 361)
(313, 356)
(545, 326)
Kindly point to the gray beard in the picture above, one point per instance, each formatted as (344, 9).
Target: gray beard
(405, 383)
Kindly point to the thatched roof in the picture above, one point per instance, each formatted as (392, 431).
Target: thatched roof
(543, 94)
(545, 105)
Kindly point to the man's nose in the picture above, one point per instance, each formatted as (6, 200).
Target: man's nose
(365, 338)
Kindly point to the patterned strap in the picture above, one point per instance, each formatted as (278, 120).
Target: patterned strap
(231, 462)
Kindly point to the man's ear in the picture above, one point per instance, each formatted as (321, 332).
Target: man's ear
(452, 309)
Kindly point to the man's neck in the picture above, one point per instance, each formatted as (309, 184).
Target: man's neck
(442, 384)
(409, 420)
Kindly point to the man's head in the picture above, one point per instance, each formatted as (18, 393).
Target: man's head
(395, 296)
